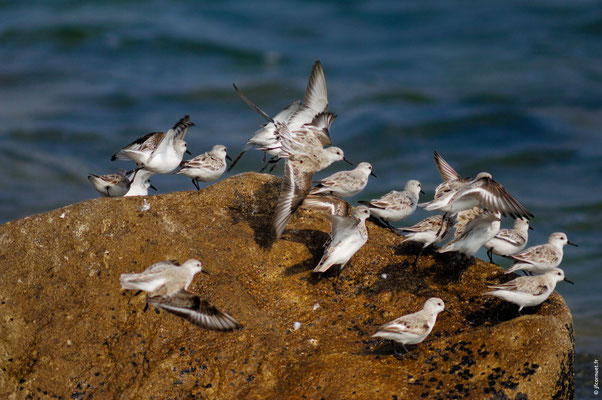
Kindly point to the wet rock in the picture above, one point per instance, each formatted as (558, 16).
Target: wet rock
(68, 330)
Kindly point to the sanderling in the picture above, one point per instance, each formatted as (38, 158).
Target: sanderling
(541, 258)
(345, 183)
(480, 226)
(157, 151)
(529, 291)
(457, 194)
(112, 185)
(206, 167)
(330, 204)
(299, 168)
(395, 206)
(347, 236)
(166, 283)
(429, 231)
(140, 183)
(311, 117)
(412, 328)
(509, 241)
(308, 146)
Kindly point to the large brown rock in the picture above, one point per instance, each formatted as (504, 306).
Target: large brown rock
(68, 330)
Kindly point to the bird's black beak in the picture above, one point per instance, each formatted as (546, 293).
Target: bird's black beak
(154, 188)
(347, 161)
(530, 228)
(188, 152)
(422, 192)
(205, 271)
(571, 282)
(228, 157)
(449, 312)
(572, 244)
(373, 174)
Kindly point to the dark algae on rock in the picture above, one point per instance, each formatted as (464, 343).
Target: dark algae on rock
(69, 331)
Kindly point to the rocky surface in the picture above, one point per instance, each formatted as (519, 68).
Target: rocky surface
(69, 331)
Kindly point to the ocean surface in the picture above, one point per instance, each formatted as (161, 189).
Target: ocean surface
(513, 88)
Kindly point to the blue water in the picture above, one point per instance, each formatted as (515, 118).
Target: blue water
(514, 89)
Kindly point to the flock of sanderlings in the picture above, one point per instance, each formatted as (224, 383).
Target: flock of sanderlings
(473, 207)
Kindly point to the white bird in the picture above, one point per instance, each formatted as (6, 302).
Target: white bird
(345, 183)
(140, 183)
(157, 151)
(167, 282)
(529, 291)
(312, 117)
(456, 194)
(541, 258)
(206, 167)
(480, 226)
(395, 206)
(431, 230)
(509, 241)
(412, 328)
(163, 278)
(347, 236)
(301, 164)
(111, 185)
(308, 145)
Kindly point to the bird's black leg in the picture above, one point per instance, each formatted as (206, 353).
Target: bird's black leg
(418, 256)
(442, 223)
(196, 184)
(335, 284)
(388, 225)
(490, 255)
(395, 351)
(399, 355)
(275, 163)
(265, 165)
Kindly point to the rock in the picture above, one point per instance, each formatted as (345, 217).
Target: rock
(69, 330)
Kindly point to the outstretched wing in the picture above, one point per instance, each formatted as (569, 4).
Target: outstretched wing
(445, 170)
(315, 100)
(492, 196)
(295, 186)
(181, 127)
(146, 143)
(196, 311)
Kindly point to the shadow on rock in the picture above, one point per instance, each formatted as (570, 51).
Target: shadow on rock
(494, 311)
(399, 277)
(411, 249)
(449, 267)
(257, 212)
(315, 242)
